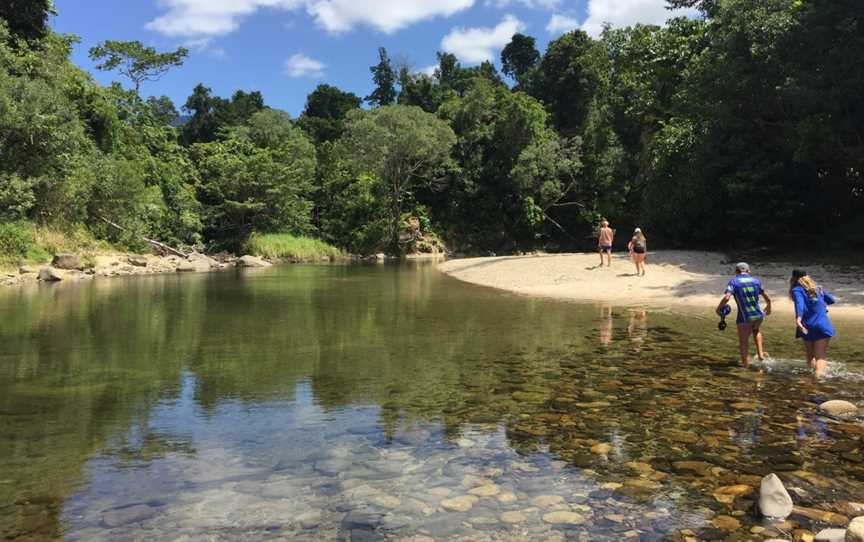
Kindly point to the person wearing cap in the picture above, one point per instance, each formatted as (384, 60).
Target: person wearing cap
(746, 289)
(811, 319)
(638, 247)
(604, 242)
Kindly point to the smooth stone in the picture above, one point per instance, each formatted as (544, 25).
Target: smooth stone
(601, 449)
(387, 501)
(127, 515)
(440, 492)
(310, 520)
(26, 270)
(193, 266)
(855, 531)
(821, 515)
(726, 523)
(684, 437)
(66, 261)
(489, 490)
(507, 497)
(544, 501)
(735, 490)
(563, 517)
(137, 261)
(49, 274)
(774, 500)
(460, 504)
(252, 261)
(831, 535)
(699, 468)
(513, 517)
(839, 409)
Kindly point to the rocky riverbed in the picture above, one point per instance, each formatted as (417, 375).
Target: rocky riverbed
(71, 267)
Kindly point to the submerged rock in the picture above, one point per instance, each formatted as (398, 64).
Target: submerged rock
(460, 504)
(831, 535)
(563, 518)
(252, 261)
(839, 409)
(855, 531)
(49, 274)
(774, 500)
(126, 515)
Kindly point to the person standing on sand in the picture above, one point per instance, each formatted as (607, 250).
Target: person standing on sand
(604, 243)
(811, 319)
(746, 290)
(638, 248)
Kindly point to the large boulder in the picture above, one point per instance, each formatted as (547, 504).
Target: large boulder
(774, 500)
(252, 261)
(204, 259)
(839, 409)
(137, 261)
(49, 274)
(855, 531)
(193, 266)
(66, 261)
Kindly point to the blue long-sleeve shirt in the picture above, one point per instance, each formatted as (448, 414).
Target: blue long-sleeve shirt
(813, 312)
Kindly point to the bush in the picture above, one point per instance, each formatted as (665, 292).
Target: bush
(289, 247)
(18, 243)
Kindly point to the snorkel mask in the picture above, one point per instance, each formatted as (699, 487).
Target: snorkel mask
(724, 312)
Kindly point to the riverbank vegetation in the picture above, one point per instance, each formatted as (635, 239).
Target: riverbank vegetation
(741, 125)
(276, 246)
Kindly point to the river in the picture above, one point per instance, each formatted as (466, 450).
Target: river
(392, 402)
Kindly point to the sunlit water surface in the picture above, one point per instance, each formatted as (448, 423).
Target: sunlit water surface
(392, 402)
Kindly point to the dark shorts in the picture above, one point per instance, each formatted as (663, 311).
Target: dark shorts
(607, 249)
(638, 250)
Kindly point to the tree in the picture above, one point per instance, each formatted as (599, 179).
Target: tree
(385, 81)
(201, 128)
(135, 61)
(258, 179)
(238, 110)
(162, 109)
(519, 57)
(27, 19)
(402, 146)
(418, 89)
(323, 118)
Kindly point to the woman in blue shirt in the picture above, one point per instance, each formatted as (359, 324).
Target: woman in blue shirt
(811, 318)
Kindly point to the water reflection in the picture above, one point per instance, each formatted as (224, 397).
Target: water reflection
(326, 402)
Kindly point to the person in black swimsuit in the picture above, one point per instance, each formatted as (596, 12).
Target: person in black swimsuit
(638, 248)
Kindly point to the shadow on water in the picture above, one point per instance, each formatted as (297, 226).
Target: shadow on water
(322, 402)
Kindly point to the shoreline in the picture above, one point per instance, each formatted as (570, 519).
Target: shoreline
(674, 279)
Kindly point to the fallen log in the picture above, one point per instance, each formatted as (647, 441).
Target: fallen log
(152, 242)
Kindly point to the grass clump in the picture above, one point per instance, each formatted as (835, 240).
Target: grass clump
(282, 246)
(18, 244)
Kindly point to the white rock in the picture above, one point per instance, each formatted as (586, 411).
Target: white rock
(831, 535)
(855, 531)
(774, 500)
(252, 261)
(839, 409)
(49, 274)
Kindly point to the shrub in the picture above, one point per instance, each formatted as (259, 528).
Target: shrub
(289, 247)
(18, 243)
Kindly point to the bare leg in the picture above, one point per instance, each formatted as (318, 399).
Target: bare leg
(601, 256)
(809, 351)
(820, 351)
(744, 332)
(760, 341)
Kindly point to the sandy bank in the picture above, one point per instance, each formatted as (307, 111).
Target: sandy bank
(674, 279)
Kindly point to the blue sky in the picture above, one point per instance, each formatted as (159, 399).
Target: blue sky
(285, 48)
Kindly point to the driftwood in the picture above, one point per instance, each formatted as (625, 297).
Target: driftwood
(155, 244)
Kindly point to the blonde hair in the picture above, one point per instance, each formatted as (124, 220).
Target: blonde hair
(640, 237)
(809, 285)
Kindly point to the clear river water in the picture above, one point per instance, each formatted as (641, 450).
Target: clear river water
(395, 403)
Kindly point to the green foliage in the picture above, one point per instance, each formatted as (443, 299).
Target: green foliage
(258, 179)
(289, 247)
(18, 243)
(27, 19)
(384, 77)
(135, 61)
(403, 146)
(519, 57)
(323, 119)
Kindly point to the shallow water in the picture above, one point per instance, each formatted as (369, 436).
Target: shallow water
(390, 402)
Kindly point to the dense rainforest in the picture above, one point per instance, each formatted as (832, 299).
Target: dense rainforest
(743, 126)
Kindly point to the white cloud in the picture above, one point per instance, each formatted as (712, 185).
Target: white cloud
(620, 13)
(428, 70)
(300, 65)
(384, 15)
(194, 18)
(475, 45)
(544, 4)
(210, 17)
(558, 24)
(205, 45)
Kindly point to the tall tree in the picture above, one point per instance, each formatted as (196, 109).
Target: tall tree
(384, 77)
(402, 146)
(27, 19)
(162, 109)
(201, 128)
(519, 58)
(135, 61)
(323, 118)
